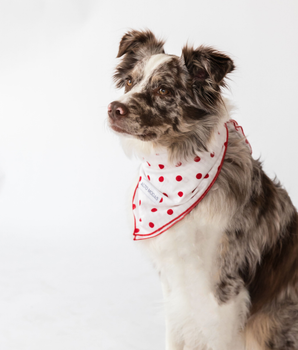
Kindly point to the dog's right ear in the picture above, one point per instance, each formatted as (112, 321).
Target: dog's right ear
(144, 41)
(135, 45)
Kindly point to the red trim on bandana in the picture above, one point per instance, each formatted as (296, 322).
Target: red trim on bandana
(239, 128)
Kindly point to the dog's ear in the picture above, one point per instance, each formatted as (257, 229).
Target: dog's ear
(207, 69)
(135, 40)
(207, 63)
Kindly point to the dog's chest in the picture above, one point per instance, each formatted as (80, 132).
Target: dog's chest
(187, 258)
(187, 255)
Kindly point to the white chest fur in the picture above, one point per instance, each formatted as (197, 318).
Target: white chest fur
(186, 257)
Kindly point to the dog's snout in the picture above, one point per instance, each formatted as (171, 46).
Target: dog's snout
(117, 110)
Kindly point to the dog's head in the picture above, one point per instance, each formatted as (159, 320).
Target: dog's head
(169, 101)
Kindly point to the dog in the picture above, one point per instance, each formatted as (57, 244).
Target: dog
(222, 235)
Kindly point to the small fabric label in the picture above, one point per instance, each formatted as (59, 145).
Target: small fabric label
(150, 191)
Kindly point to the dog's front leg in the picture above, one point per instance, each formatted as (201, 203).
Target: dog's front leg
(229, 283)
(171, 340)
(228, 286)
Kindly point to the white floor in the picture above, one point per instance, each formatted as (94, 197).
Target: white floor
(75, 294)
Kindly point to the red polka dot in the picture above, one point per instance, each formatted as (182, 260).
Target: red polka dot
(197, 159)
(212, 154)
(206, 176)
(151, 224)
(133, 206)
(161, 200)
(137, 230)
(140, 178)
(161, 179)
(140, 220)
(148, 177)
(218, 133)
(149, 164)
(199, 176)
(165, 194)
(180, 194)
(153, 210)
(140, 202)
(161, 166)
(178, 164)
(178, 178)
(170, 211)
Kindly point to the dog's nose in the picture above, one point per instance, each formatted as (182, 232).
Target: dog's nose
(117, 110)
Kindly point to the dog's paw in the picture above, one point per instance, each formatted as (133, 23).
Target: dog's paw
(228, 288)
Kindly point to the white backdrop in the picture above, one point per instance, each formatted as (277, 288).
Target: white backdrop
(70, 275)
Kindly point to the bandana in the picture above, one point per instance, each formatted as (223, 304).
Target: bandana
(167, 192)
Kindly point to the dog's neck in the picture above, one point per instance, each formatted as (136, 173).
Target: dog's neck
(135, 147)
(145, 149)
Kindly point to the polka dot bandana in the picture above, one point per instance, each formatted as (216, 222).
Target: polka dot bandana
(167, 192)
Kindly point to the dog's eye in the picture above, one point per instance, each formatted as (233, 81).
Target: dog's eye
(163, 91)
(128, 82)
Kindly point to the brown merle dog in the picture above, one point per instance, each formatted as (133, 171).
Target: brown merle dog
(234, 258)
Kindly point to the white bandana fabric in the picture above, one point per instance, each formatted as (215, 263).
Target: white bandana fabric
(166, 192)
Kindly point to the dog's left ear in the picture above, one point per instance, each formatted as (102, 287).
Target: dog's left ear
(207, 69)
(206, 63)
